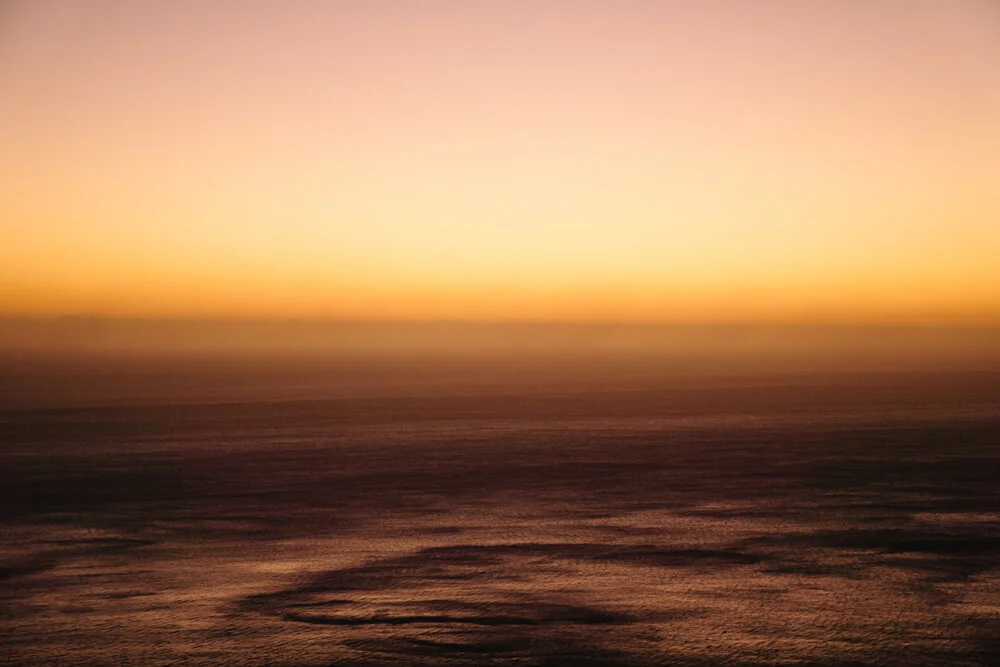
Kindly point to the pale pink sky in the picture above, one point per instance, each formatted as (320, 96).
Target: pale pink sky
(574, 159)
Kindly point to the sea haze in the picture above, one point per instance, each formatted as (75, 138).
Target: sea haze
(449, 496)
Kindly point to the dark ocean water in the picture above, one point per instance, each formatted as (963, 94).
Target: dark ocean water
(510, 512)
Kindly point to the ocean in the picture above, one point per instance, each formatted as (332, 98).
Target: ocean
(515, 509)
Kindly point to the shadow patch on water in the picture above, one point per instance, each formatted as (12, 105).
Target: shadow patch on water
(70, 548)
(455, 602)
(446, 612)
(26, 566)
(947, 554)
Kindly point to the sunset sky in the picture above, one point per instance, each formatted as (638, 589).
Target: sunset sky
(624, 160)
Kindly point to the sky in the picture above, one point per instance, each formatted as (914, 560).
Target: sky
(564, 160)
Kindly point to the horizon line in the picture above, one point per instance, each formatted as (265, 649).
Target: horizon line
(832, 323)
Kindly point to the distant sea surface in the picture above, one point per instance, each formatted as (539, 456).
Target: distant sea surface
(513, 509)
